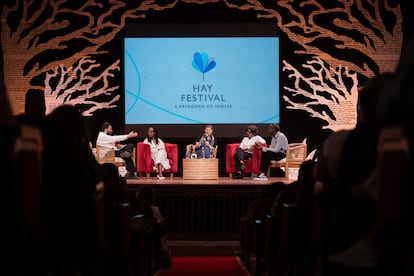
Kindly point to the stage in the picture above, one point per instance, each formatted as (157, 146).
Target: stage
(204, 209)
(220, 181)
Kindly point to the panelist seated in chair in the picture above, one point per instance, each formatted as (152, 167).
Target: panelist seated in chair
(158, 152)
(107, 140)
(245, 150)
(204, 146)
(276, 150)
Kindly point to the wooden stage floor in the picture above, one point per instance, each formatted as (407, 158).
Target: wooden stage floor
(220, 181)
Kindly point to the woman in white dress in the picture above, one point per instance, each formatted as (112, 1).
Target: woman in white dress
(158, 152)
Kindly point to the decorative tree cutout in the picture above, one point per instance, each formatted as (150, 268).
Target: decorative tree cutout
(327, 89)
(43, 39)
(78, 86)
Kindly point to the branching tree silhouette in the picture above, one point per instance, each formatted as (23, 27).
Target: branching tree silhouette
(64, 47)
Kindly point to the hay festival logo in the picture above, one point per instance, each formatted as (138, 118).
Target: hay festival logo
(202, 63)
(202, 95)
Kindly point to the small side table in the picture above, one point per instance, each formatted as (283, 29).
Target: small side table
(200, 169)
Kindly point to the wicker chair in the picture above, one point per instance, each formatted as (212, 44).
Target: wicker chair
(107, 155)
(295, 155)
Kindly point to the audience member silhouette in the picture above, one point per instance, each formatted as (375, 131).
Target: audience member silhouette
(9, 207)
(71, 177)
(388, 242)
(257, 212)
(285, 248)
(34, 103)
(300, 244)
(116, 221)
(161, 230)
(398, 115)
(150, 225)
(346, 160)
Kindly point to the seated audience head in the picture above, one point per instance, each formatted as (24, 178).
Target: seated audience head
(273, 189)
(115, 189)
(146, 193)
(34, 103)
(396, 105)
(369, 95)
(6, 113)
(72, 121)
(305, 174)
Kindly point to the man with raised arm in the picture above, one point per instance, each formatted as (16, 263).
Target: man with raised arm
(107, 140)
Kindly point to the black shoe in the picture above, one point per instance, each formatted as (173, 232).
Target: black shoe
(130, 175)
(238, 175)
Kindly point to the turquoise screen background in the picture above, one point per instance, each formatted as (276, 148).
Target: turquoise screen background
(217, 80)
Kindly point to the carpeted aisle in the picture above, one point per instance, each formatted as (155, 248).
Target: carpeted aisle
(204, 265)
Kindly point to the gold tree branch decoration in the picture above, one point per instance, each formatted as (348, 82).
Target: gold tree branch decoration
(78, 86)
(328, 88)
(39, 36)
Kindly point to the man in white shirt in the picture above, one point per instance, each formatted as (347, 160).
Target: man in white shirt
(245, 150)
(106, 139)
(276, 150)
